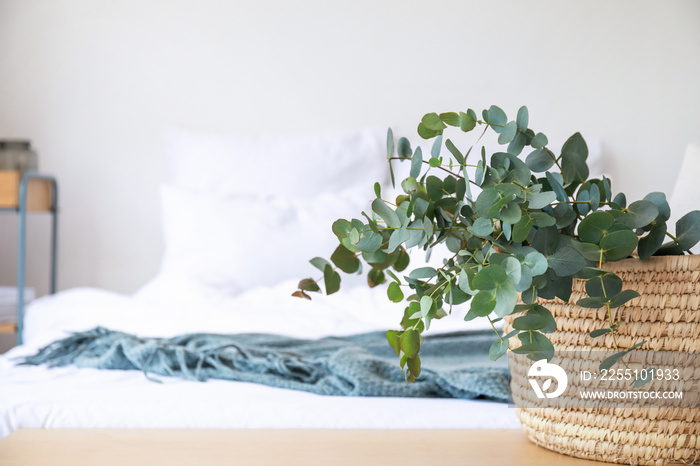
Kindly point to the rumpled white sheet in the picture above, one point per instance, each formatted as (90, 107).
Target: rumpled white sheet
(34, 397)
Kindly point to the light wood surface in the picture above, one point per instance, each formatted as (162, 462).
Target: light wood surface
(8, 327)
(38, 192)
(106, 447)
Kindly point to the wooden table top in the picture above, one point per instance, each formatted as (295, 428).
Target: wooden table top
(336, 447)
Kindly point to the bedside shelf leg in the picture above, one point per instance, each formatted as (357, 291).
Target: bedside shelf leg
(22, 246)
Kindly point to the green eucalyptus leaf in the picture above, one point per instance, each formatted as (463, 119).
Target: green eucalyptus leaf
(393, 337)
(425, 132)
(498, 349)
(592, 303)
(556, 185)
(506, 299)
(540, 160)
(590, 251)
(642, 213)
(620, 199)
(454, 151)
(539, 141)
(688, 230)
(508, 133)
(521, 230)
(513, 269)
(610, 361)
(594, 197)
(390, 149)
(542, 199)
(375, 277)
(518, 143)
(536, 262)
(394, 292)
(649, 244)
(566, 261)
(573, 159)
(547, 240)
(600, 332)
(543, 219)
(416, 163)
(341, 228)
(423, 273)
(623, 297)
(410, 343)
(495, 117)
(619, 244)
(595, 226)
(489, 277)
(482, 226)
(433, 122)
(564, 215)
(583, 202)
(529, 322)
(345, 260)
(331, 280)
(320, 263)
(386, 213)
(511, 213)
(433, 186)
(398, 237)
(604, 286)
(414, 367)
(404, 148)
(482, 304)
(659, 200)
(371, 242)
(522, 118)
(466, 122)
(541, 311)
(450, 118)
(308, 284)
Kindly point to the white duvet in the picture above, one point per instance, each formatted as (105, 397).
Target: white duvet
(34, 397)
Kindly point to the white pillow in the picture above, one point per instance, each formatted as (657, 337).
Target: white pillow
(294, 165)
(223, 246)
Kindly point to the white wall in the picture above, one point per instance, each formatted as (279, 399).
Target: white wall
(94, 82)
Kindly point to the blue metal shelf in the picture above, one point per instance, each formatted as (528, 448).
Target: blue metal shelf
(22, 211)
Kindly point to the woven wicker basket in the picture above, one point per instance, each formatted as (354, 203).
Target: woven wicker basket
(667, 316)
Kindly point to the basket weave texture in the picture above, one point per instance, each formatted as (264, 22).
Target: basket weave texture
(667, 316)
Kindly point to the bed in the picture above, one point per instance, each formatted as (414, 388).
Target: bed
(235, 248)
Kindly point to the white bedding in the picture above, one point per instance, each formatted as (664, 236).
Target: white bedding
(32, 397)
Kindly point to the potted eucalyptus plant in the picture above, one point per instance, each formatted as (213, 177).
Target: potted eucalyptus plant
(523, 236)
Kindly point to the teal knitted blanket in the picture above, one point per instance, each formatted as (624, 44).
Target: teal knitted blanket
(454, 365)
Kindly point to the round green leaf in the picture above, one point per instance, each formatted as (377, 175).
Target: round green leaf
(688, 230)
(489, 277)
(594, 226)
(394, 292)
(522, 119)
(539, 141)
(604, 286)
(619, 244)
(530, 322)
(482, 226)
(483, 303)
(410, 343)
(433, 121)
(345, 260)
(508, 133)
(539, 160)
(498, 349)
(642, 213)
